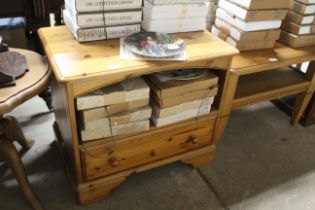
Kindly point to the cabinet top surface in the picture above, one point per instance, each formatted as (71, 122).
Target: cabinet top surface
(72, 61)
(280, 53)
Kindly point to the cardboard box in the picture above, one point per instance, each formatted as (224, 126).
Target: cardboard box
(301, 8)
(300, 19)
(298, 29)
(118, 119)
(104, 132)
(244, 45)
(307, 1)
(252, 15)
(180, 115)
(247, 26)
(129, 90)
(201, 104)
(226, 29)
(293, 40)
(101, 112)
(262, 4)
(184, 97)
(163, 86)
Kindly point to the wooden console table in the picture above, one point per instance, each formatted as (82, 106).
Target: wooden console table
(82, 68)
(264, 75)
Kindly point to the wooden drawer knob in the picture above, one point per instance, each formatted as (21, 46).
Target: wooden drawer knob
(192, 139)
(113, 161)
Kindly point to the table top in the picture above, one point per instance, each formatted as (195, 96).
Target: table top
(73, 61)
(31, 84)
(280, 56)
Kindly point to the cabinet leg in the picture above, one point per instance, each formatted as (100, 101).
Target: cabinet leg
(11, 157)
(98, 190)
(302, 101)
(201, 160)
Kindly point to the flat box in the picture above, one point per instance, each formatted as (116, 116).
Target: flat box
(307, 1)
(243, 46)
(174, 10)
(126, 91)
(298, 29)
(262, 4)
(297, 41)
(172, 115)
(201, 104)
(101, 112)
(252, 15)
(97, 5)
(300, 19)
(174, 25)
(163, 86)
(104, 132)
(184, 97)
(243, 36)
(302, 8)
(96, 19)
(117, 119)
(247, 26)
(162, 2)
(98, 33)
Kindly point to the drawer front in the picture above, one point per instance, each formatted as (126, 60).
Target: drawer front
(146, 148)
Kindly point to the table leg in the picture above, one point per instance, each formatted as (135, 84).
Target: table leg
(304, 98)
(11, 157)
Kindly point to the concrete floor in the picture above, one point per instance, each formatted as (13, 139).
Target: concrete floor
(263, 163)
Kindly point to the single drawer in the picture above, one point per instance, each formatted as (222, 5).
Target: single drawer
(145, 148)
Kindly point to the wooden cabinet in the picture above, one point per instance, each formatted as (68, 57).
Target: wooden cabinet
(96, 167)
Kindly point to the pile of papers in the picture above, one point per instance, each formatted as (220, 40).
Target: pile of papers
(91, 20)
(176, 100)
(298, 29)
(117, 109)
(171, 16)
(250, 24)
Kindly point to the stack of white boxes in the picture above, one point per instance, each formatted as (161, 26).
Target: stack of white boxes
(91, 20)
(213, 6)
(176, 100)
(299, 26)
(117, 109)
(250, 24)
(171, 16)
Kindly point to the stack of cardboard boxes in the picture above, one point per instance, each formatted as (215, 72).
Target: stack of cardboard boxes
(213, 6)
(171, 16)
(176, 100)
(91, 20)
(117, 109)
(299, 26)
(250, 24)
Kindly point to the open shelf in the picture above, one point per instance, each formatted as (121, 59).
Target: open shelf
(268, 85)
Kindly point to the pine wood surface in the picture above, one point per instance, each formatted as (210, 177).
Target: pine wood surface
(71, 60)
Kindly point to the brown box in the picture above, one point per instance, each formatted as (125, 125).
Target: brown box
(126, 91)
(293, 40)
(300, 19)
(101, 112)
(118, 119)
(262, 4)
(169, 87)
(104, 132)
(301, 8)
(184, 97)
(243, 36)
(298, 29)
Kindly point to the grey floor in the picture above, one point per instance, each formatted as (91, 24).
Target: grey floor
(263, 163)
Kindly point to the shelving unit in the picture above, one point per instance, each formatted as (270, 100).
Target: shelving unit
(82, 68)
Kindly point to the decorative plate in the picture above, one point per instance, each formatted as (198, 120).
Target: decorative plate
(152, 44)
(187, 74)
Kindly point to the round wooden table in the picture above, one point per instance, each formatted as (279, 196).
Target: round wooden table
(31, 84)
